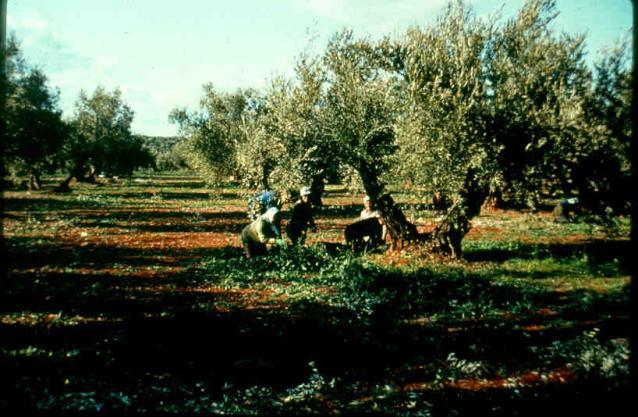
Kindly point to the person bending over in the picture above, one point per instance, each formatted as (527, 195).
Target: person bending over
(261, 234)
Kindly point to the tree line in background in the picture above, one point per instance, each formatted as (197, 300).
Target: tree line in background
(97, 139)
(471, 111)
(467, 109)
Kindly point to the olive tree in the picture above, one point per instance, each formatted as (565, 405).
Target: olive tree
(442, 137)
(226, 138)
(34, 129)
(259, 153)
(489, 108)
(360, 115)
(101, 140)
(294, 121)
(339, 111)
(539, 82)
(603, 173)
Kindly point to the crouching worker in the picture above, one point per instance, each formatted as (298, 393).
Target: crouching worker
(262, 201)
(301, 218)
(369, 231)
(262, 234)
(566, 210)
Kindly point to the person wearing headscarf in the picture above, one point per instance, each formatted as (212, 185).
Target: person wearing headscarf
(261, 232)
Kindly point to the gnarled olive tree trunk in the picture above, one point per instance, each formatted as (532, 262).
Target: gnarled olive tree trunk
(449, 233)
(400, 229)
(80, 173)
(35, 182)
(317, 186)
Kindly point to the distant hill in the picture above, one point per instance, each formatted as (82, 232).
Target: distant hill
(168, 156)
(160, 144)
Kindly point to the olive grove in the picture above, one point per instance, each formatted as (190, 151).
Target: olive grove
(474, 109)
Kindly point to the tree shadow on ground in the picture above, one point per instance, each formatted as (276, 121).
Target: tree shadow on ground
(596, 251)
(41, 205)
(160, 325)
(150, 215)
(226, 227)
(160, 195)
(257, 347)
(166, 221)
(28, 252)
(196, 225)
(346, 210)
(166, 184)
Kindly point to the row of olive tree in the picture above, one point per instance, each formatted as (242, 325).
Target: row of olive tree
(96, 139)
(468, 107)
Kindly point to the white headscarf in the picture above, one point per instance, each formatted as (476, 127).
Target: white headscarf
(269, 216)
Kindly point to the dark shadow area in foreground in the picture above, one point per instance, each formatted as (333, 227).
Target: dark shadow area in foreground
(154, 328)
(247, 348)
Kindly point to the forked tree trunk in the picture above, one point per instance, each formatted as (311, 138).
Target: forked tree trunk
(65, 186)
(35, 183)
(449, 233)
(76, 173)
(317, 186)
(400, 229)
(88, 175)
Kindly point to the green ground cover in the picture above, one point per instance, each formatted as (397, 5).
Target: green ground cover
(133, 297)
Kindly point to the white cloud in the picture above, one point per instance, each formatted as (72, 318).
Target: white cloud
(371, 11)
(32, 22)
(35, 23)
(333, 9)
(105, 61)
(372, 17)
(42, 44)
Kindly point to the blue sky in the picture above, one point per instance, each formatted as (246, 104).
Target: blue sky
(160, 53)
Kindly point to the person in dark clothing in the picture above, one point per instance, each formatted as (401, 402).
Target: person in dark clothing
(363, 234)
(301, 218)
(566, 210)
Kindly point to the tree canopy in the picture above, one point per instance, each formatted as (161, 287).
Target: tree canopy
(34, 130)
(101, 141)
(468, 107)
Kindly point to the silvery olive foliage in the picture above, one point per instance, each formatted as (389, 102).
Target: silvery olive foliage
(225, 138)
(294, 122)
(602, 172)
(360, 108)
(442, 127)
(101, 140)
(538, 81)
(467, 106)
